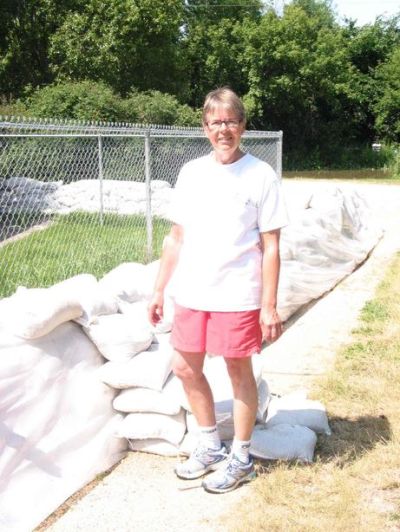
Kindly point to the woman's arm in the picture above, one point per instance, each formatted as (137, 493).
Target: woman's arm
(168, 262)
(270, 321)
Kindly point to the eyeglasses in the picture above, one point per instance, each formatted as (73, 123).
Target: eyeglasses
(217, 124)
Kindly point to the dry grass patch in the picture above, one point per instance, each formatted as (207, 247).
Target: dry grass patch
(354, 483)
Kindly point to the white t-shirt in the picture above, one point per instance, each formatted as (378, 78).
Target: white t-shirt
(222, 209)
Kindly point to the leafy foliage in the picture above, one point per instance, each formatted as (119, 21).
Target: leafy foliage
(387, 108)
(154, 107)
(332, 88)
(84, 100)
(125, 44)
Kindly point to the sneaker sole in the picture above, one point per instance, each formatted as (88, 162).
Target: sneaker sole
(201, 473)
(247, 478)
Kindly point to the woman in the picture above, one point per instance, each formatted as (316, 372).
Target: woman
(223, 249)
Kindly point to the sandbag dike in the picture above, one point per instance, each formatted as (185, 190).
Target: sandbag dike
(84, 378)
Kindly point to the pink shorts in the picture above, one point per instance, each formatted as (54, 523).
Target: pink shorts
(230, 334)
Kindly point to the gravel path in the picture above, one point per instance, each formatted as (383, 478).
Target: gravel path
(142, 492)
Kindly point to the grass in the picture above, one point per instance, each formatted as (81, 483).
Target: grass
(354, 483)
(379, 176)
(76, 243)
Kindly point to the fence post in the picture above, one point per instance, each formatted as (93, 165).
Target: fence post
(279, 155)
(149, 221)
(100, 148)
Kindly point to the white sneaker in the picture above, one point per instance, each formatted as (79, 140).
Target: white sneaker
(232, 473)
(200, 462)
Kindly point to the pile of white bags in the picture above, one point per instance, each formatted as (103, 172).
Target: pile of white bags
(74, 393)
(57, 424)
(158, 418)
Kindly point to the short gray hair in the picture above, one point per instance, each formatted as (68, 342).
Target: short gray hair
(224, 97)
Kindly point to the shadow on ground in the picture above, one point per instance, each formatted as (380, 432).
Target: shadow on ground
(351, 438)
(349, 441)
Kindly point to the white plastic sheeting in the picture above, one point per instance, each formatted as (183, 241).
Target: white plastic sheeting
(57, 424)
(330, 233)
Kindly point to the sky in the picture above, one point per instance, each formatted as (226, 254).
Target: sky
(365, 11)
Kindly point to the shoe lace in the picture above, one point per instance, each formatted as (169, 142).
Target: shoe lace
(201, 450)
(233, 465)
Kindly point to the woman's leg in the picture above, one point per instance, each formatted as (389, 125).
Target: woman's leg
(245, 396)
(188, 367)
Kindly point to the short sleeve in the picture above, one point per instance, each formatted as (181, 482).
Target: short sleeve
(272, 212)
(176, 210)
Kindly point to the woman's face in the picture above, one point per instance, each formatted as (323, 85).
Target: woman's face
(224, 130)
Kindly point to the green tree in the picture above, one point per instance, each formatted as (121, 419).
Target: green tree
(25, 29)
(124, 43)
(212, 44)
(387, 107)
(369, 47)
(298, 70)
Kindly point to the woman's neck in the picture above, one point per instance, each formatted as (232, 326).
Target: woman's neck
(228, 158)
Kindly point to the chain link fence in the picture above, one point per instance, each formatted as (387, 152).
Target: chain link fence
(80, 198)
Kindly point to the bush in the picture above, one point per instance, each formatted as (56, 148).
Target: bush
(154, 107)
(96, 101)
(82, 100)
(334, 157)
(11, 108)
(393, 160)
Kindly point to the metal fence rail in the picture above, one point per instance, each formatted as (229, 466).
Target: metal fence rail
(80, 197)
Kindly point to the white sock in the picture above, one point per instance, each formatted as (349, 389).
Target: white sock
(209, 437)
(241, 449)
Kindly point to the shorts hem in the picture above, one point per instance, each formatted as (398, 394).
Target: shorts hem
(187, 348)
(239, 354)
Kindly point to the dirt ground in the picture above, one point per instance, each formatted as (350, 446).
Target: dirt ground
(142, 492)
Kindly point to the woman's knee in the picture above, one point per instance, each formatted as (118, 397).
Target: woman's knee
(240, 371)
(187, 367)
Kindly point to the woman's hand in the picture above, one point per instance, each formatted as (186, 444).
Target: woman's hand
(271, 325)
(155, 309)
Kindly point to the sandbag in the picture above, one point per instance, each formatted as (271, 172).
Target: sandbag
(283, 442)
(264, 398)
(149, 425)
(149, 369)
(118, 338)
(124, 281)
(35, 312)
(131, 281)
(146, 400)
(323, 244)
(95, 303)
(138, 312)
(296, 409)
(154, 446)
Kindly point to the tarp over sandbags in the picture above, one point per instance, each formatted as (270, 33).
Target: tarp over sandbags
(330, 233)
(57, 424)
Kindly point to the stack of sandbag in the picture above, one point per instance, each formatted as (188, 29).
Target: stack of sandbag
(145, 384)
(158, 417)
(57, 424)
(138, 357)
